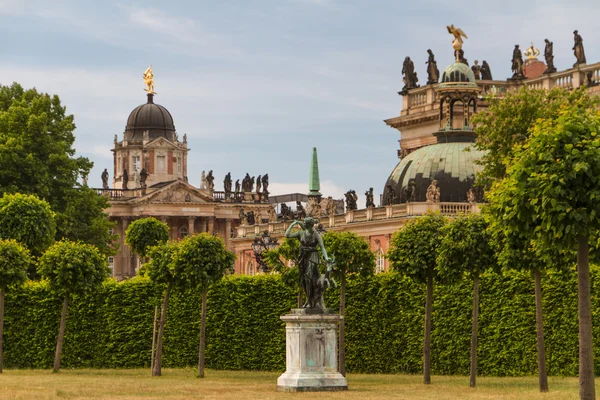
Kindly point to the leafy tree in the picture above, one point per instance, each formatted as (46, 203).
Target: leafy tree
(466, 248)
(14, 260)
(145, 233)
(352, 256)
(288, 251)
(203, 260)
(161, 270)
(413, 252)
(37, 157)
(73, 268)
(28, 220)
(551, 194)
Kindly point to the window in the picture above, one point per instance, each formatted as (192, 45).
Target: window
(183, 232)
(160, 164)
(178, 162)
(379, 261)
(250, 267)
(111, 265)
(135, 163)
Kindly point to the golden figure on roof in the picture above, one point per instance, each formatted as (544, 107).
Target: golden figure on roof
(531, 52)
(458, 35)
(149, 80)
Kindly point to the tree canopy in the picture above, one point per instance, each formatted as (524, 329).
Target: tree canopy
(145, 233)
(14, 261)
(352, 253)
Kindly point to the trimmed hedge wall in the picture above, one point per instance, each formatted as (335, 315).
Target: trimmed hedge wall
(384, 325)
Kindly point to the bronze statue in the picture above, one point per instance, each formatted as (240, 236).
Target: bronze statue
(390, 196)
(125, 178)
(265, 183)
(311, 281)
(486, 72)
(369, 198)
(104, 177)
(433, 73)
(410, 76)
(578, 49)
(227, 185)
(258, 184)
(143, 177)
(476, 68)
(549, 56)
(517, 64)
(210, 181)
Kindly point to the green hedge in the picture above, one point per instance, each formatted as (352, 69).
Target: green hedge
(384, 325)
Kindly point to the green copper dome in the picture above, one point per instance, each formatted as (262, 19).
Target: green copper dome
(448, 163)
(458, 74)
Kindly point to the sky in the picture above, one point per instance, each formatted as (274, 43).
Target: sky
(257, 84)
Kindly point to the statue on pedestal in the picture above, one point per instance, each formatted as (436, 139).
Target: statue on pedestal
(258, 184)
(227, 185)
(369, 198)
(258, 216)
(300, 211)
(390, 196)
(517, 64)
(331, 206)
(433, 193)
(351, 199)
(203, 180)
(410, 76)
(143, 177)
(286, 212)
(471, 198)
(433, 73)
(242, 216)
(549, 56)
(265, 183)
(210, 181)
(457, 42)
(237, 188)
(272, 214)
(578, 49)
(476, 70)
(104, 177)
(486, 72)
(125, 178)
(251, 184)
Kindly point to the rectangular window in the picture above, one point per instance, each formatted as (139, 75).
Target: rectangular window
(135, 163)
(177, 161)
(161, 164)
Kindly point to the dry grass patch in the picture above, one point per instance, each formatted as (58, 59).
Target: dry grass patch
(241, 385)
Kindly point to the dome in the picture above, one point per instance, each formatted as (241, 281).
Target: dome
(448, 163)
(458, 73)
(150, 117)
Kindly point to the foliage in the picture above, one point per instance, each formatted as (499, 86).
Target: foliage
(27, 220)
(508, 120)
(14, 260)
(144, 233)
(352, 253)
(288, 251)
(161, 267)
(414, 248)
(465, 247)
(73, 267)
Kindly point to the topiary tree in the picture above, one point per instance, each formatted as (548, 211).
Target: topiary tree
(203, 260)
(352, 256)
(466, 248)
(550, 194)
(288, 251)
(413, 252)
(161, 270)
(14, 260)
(28, 220)
(73, 268)
(144, 233)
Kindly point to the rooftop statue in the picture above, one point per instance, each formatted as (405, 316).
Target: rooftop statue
(433, 193)
(149, 80)
(486, 72)
(104, 177)
(549, 56)
(433, 73)
(517, 64)
(578, 49)
(531, 52)
(476, 68)
(410, 76)
(458, 41)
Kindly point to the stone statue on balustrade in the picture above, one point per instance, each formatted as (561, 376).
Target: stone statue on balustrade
(578, 49)
(125, 178)
(471, 198)
(265, 183)
(203, 180)
(251, 184)
(313, 284)
(258, 215)
(272, 214)
(104, 177)
(410, 191)
(242, 216)
(433, 73)
(410, 76)
(369, 203)
(331, 207)
(433, 193)
(258, 184)
(246, 183)
(351, 200)
(227, 185)
(549, 56)
(300, 211)
(486, 72)
(237, 188)
(143, 176)
(250, 217)
(286, 212)
(390, 195)
(476, 68)
(517, 64)
(210, 181)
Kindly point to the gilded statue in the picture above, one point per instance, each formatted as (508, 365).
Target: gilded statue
(149, 80)
(458, 41)
(531, 53)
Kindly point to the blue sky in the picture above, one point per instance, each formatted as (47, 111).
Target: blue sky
(257, 84)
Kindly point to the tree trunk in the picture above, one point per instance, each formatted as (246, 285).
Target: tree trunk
(587, 389)
(474, 324)
(342, 338)
(202, 335)
(1, 324)
(539, 324)
(300, 298)
(153, 338)
(427, 338)
(61, 334)
(156, 369)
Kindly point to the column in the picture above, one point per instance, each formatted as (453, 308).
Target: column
(228, 233)
(211, 225)
(174, 230)
(191, 221)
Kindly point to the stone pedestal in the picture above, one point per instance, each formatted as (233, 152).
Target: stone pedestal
(311, 353)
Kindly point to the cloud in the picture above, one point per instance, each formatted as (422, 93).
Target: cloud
(328, 188)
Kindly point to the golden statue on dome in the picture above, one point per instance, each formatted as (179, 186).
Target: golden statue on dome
(531, 52)
(458, 41)
(149, 80)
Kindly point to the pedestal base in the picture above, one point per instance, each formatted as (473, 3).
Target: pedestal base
(311, 353)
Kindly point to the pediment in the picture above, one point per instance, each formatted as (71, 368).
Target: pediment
(161, 143)
(177, 192)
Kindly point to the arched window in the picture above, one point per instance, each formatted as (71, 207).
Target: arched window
(183, 232)
(379, 261)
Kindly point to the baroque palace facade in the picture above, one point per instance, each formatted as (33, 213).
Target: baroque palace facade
(434, 171)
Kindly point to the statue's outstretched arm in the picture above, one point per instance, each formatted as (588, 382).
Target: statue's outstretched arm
(288, 232)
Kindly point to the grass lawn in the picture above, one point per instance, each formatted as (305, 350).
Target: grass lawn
(242, 385)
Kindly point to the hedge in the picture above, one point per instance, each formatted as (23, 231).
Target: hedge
(384, 325)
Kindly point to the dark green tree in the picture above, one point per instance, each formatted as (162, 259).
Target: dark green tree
(466, 248)
(72, 269)
(37, 157)
(14, 260)
(143, 234)
(203, 260)
(352, 256)
(413, 252)
(551, 194)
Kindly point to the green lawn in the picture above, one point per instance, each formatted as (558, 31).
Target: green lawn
(242, 385)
